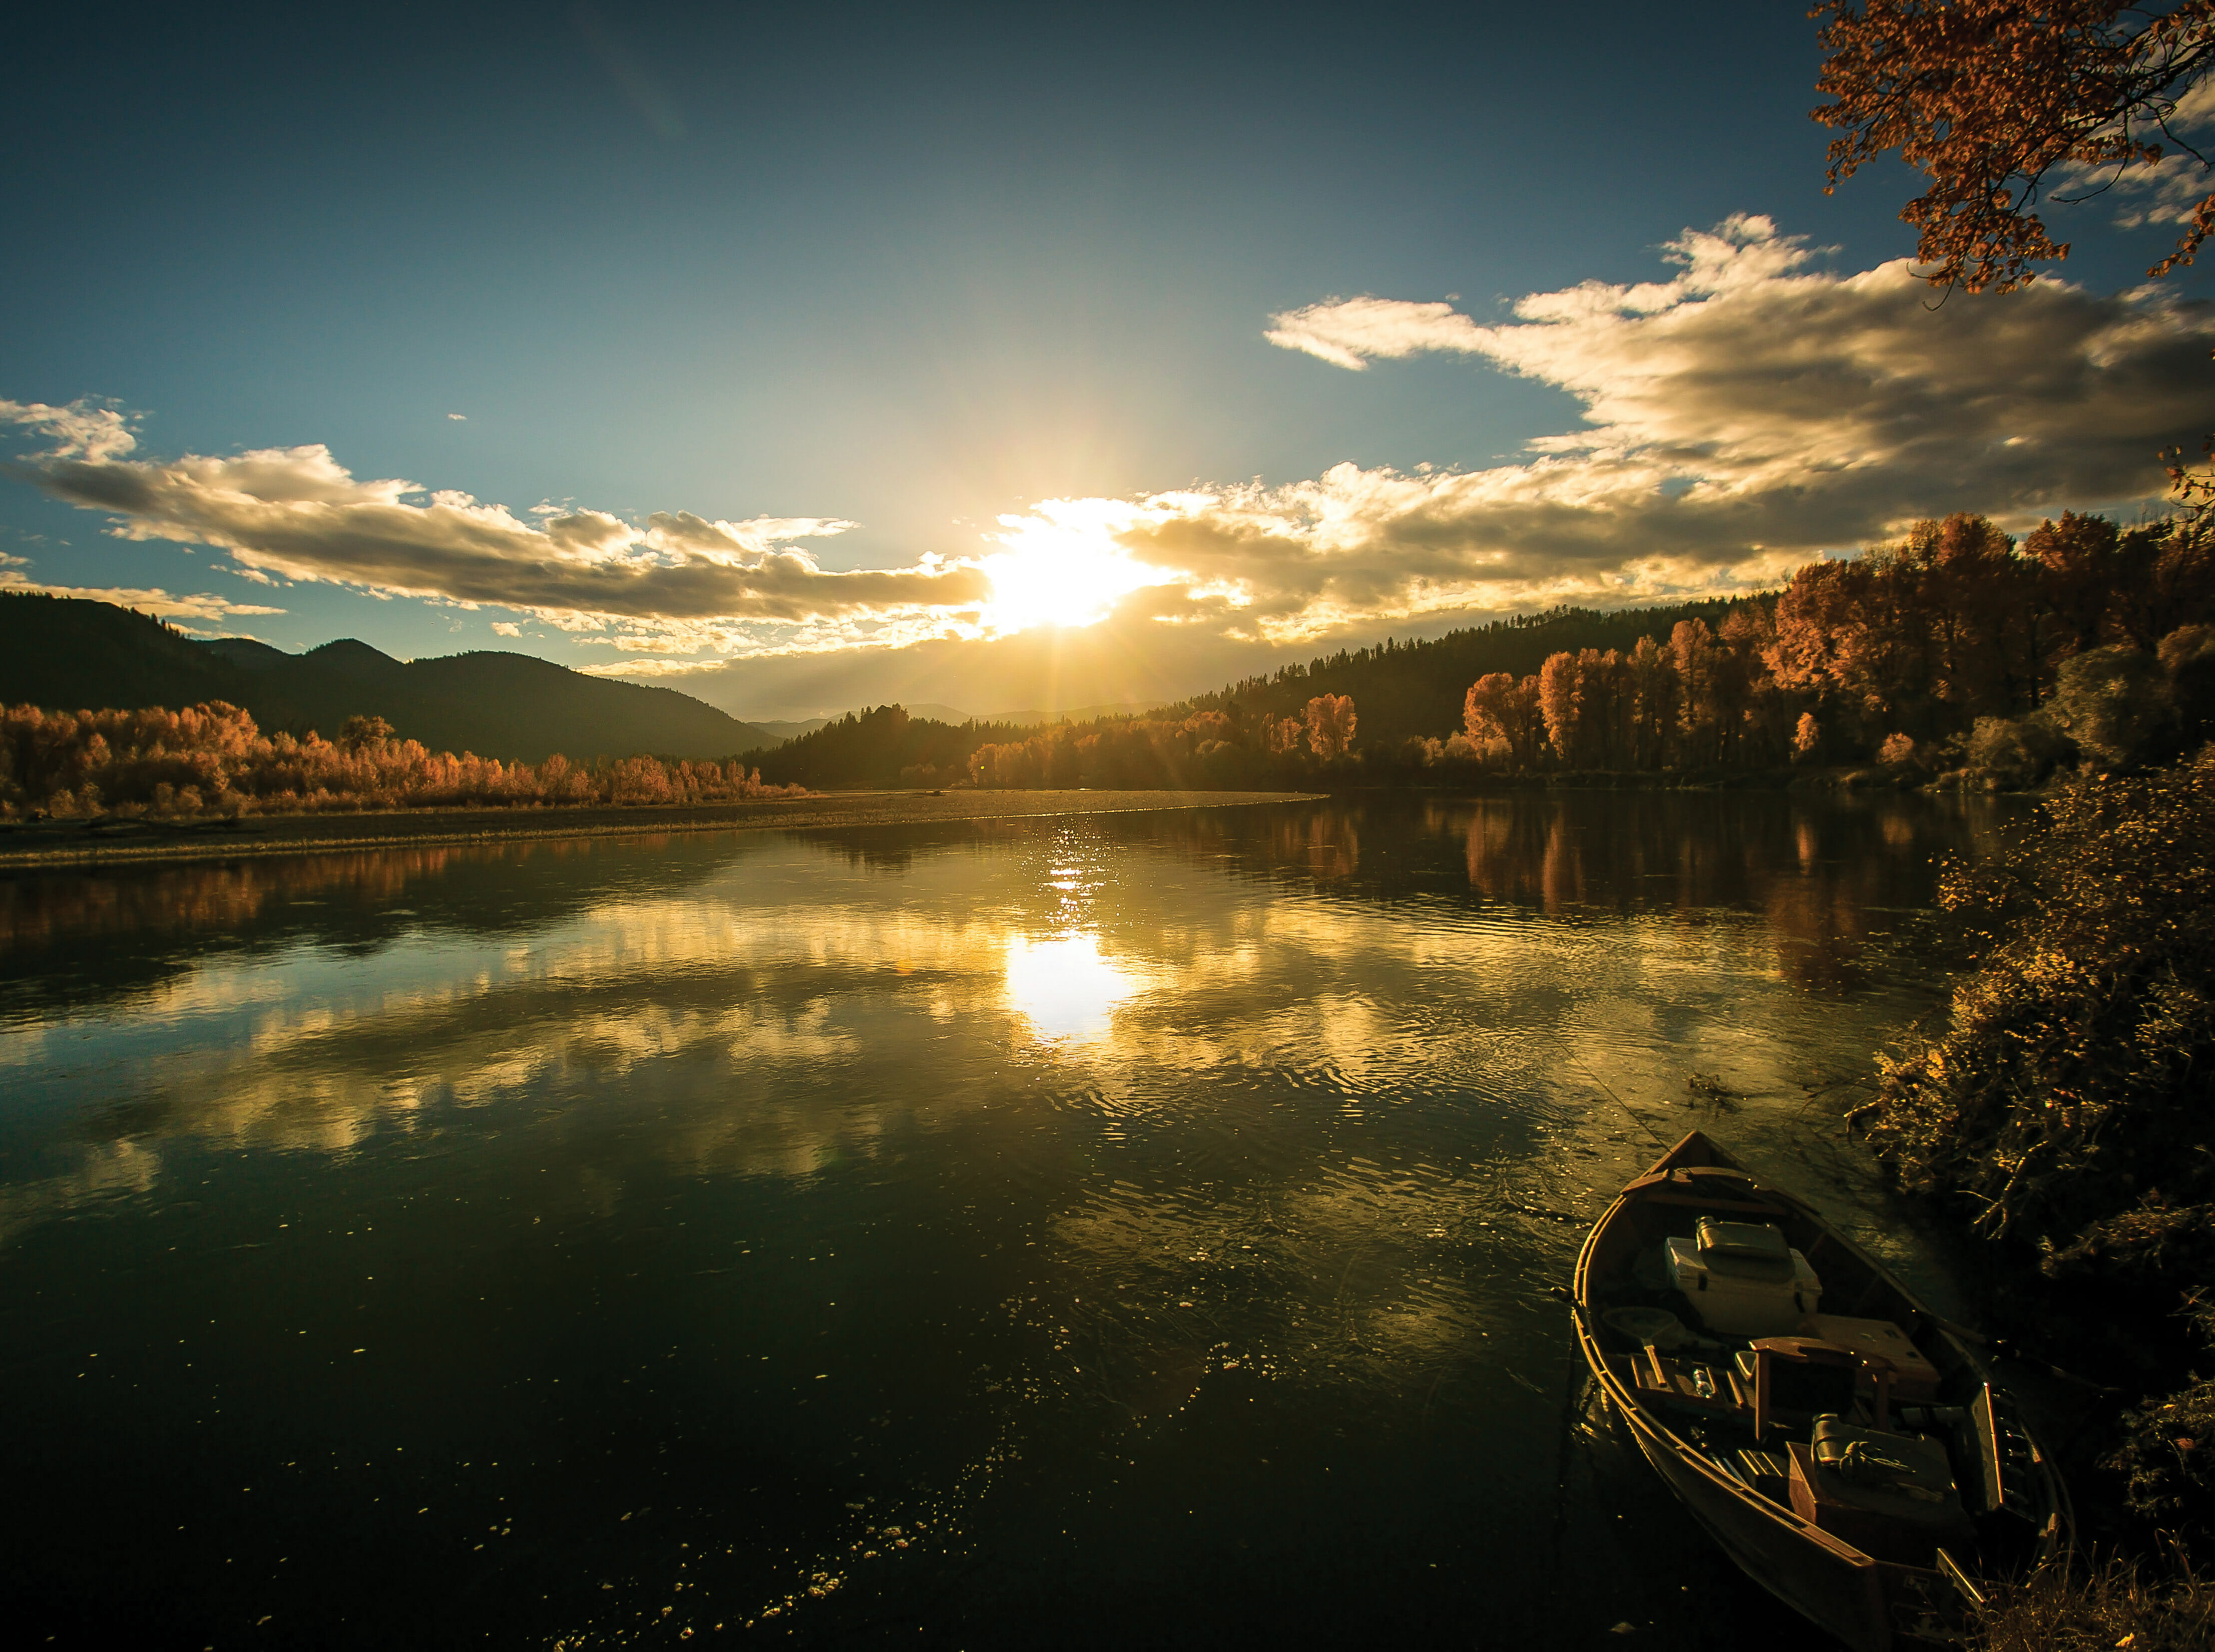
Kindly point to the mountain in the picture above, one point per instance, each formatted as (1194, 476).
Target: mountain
(934, 711)
(791, 730)
(1067, 714)
(67, 652)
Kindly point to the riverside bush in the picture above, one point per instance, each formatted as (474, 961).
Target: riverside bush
(2068, 1107)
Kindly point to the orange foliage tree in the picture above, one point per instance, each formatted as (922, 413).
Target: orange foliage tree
(1993, 99)
(1330, 724)
(1957, 622)
(213, 758)
(1904, 648)
(1499, 708)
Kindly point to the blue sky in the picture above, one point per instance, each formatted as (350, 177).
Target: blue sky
(921, 270)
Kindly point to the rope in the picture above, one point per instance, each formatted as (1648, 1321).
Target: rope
(1600, 1084)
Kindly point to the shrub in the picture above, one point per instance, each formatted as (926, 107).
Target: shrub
(2116, 703)
(2070, 1106)
(2016, 750)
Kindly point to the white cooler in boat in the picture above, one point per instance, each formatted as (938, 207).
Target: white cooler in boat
(1742, 1279)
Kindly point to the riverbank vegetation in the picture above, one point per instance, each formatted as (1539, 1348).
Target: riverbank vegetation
(2066, 1112)
(2167, 1605)
(212, 760)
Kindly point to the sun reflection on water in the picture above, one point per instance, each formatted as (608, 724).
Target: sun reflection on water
(1065, 988)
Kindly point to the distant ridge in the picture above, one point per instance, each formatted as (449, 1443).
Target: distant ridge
(791, 730)
(955, 716)
(72, 654)
(1076, 713)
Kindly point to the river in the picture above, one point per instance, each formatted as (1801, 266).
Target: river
(1115, 1231)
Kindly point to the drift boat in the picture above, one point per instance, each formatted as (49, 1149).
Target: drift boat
(1846, 1446)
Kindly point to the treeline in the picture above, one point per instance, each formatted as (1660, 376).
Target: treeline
(213, 759)
(1958, 652)
(1182, 749)
(880, 746)
(1209, 750)
(1413, 689)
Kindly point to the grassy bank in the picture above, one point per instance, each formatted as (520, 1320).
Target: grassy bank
(64, 842)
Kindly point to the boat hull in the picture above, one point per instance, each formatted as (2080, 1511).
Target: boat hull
(1867, 1603)
(1843, 1592)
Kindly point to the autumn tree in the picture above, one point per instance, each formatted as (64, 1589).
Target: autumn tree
(364, 733)
(1561, 705)
(1499, 708)
(1609, 705)
(1703, 672)
(1330, 723)
(1653, 695)
(1996, 101)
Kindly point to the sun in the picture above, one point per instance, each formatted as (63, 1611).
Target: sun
(1062, 566)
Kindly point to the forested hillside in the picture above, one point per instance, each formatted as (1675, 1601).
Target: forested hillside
(70, 653)
(1416, 688)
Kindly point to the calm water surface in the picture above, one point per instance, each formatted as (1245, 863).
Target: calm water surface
(1108, 1232)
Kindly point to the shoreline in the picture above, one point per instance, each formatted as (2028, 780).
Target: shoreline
(52, 844)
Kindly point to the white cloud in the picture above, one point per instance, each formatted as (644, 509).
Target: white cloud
(155, 601)
(653, 668)
(457, 415)
(506, 628)
(297, 513)
(1742, 416)
(86, 430)
(1349, 332)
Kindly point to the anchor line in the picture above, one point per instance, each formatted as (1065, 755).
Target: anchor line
(1601, 1085)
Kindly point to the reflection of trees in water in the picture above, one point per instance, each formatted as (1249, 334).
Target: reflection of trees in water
(1326, 843)
(1826, 874)
(49, 906)
(78, 935)
(867, 850)
(1821, 875)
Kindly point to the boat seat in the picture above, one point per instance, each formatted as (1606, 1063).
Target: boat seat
(1792, 1380)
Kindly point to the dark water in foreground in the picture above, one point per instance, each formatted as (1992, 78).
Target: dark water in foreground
(1112, 1232)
